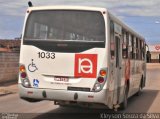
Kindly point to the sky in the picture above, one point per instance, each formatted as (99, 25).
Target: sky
(143, 16)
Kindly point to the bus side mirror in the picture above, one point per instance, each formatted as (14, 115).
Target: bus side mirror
(148, 56)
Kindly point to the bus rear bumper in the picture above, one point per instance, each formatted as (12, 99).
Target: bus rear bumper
(64, 95)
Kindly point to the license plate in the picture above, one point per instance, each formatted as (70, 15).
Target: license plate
(62, 79)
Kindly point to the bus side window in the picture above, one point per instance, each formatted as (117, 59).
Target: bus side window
(137, 48)
(112, 41)
(124, 45)
(143, 51)
(134, 47)
(130, 47)
(140, 49)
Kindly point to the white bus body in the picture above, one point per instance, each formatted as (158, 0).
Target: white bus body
(79, 55)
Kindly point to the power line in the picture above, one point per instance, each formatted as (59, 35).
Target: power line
(11, 15)
(15, 4)
(6, 5)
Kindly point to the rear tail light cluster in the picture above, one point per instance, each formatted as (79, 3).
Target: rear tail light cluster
(102, 76)
(100, 79)
(23, 76)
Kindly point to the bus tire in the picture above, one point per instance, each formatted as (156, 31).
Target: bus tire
(124, 104)
(140, 88)
(30, 100)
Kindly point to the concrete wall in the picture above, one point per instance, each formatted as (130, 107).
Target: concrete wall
(155, 57)
(9, 62)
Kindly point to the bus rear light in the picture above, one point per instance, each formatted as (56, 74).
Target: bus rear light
(28, 11)
(22, 68)
(100, 80)
(23, 75)
(103, 72)
(26, 83)
(97, 87)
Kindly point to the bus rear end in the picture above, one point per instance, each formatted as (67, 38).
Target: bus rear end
(63, 55)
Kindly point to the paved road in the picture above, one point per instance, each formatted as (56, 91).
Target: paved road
(147, 102)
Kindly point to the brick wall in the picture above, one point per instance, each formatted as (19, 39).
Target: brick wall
(10, 43)
(155, 61)
(9, 62)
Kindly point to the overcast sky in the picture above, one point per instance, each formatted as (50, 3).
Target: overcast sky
(141, 15)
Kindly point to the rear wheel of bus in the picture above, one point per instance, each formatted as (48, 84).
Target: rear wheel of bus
(140, 88)
(124, 104)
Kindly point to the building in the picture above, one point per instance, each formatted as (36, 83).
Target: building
(3, 48)
(155, 53)
(9, 45)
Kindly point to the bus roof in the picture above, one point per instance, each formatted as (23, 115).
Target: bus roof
(126, 27)
(66, 7)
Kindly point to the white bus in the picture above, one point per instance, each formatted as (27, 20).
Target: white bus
(76, 55)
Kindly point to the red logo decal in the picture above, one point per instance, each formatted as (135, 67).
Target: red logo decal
(85, 65)
(157, 47)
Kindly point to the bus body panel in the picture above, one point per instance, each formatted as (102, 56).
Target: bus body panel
(48, 70)
(68, 96)
(134, 67)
